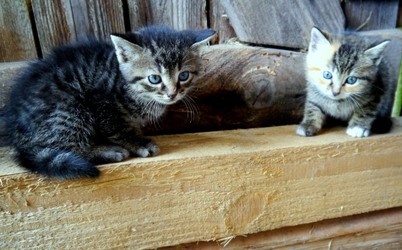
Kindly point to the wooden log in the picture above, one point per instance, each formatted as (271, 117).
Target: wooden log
(181, 14)
(371, 15)
(376, 230)
(16, 39)
(265, 22)
(206, 186)
(60, 22)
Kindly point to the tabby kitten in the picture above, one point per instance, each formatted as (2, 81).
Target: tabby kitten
(346, 80)
(84, 103)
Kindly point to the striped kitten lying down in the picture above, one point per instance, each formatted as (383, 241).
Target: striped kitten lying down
(347, 80)
(84, 104)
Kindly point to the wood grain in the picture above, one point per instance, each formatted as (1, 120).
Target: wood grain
(375, 230)
(206, 186)
(281, 22)
(371, 15)
(60, 22)
(54, 23)
(220, 22)
(181, 14)
(97, 18)
(16, 39)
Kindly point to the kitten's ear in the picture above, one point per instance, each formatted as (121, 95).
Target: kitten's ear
(375, 53)
(318, 41)
(203, 36)
(125, 50)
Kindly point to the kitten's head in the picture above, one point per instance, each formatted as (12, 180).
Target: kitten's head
(344, 66)
(159, 63)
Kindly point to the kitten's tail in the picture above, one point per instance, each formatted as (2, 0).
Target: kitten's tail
(382, 125)
(57, 164)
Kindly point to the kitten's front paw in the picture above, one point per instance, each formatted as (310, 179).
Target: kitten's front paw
(306, 130)
(358, 131)
(148, 149)
(107, 154)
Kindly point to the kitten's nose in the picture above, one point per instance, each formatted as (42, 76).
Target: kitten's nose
(336, 92)
(172, 95)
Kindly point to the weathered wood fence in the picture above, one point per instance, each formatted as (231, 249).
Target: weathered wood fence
(29, 28)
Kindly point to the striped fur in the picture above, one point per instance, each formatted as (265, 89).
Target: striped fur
(84, 103)
(347, 80)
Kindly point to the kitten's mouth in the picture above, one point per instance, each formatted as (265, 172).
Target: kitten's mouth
(168, 101)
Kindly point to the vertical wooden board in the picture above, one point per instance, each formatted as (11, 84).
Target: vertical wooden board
(16, 39)
(371, 15)
(54, 23)
(219, 21)
(63, 21)
(178, 14)
(282, 23)
(97, 18)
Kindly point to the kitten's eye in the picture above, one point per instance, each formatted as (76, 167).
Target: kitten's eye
(351, 80)
(183, 76)
(327, 75)
(154, 79)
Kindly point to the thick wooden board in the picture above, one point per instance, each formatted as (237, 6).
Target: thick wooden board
(281, 22)
(178, 14)
(16, 39)
(371, 15)
(60, 22)
(375, 230)
(206, 186)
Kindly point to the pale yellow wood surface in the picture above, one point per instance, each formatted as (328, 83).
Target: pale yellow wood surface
(375, 230)
(206, 186)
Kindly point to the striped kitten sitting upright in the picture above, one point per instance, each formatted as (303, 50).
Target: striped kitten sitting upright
(347, 80)
(84, 104)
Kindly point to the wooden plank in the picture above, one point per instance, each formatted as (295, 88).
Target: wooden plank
(282, 23)
(16, 40)
(206, 186)
(178, 14)
(371, 15)
(375, 230)
(54, 23)
(97, 18)
(60, 22)
(219, 21)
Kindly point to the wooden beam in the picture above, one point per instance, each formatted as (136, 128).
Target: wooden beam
(206, 186)
(375, 230)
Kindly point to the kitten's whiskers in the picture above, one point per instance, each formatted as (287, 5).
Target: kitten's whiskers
(192, 108)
